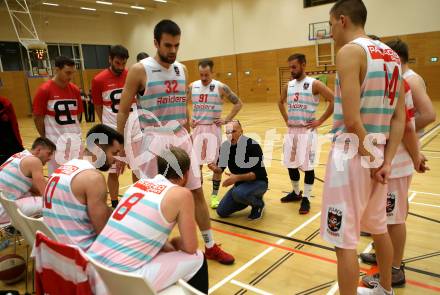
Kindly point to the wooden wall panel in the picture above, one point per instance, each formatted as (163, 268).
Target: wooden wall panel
(15, 89)
(87, 76)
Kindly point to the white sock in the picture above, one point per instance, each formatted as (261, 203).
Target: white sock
(295, 186)
(307, 190)
(208, 237)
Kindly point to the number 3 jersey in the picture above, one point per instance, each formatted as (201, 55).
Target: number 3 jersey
(137, 229)
(60, 108)
(62, 212)
(379, 90)
(106, 91)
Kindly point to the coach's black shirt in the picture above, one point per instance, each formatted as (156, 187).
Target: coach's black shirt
(244, 157)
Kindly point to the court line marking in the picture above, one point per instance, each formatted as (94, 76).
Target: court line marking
(250, 288)
(425, 193)
(261, 255)
(424, 204)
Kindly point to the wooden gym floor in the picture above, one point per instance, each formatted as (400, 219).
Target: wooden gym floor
(283, 252)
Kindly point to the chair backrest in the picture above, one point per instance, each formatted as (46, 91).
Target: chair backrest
(122, 283)
(16, 220)
(37, 224)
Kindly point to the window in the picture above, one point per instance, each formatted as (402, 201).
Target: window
(311, 3)
(10, 56)
(95, 56)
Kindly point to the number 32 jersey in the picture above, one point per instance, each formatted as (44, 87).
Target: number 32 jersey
(379, 90)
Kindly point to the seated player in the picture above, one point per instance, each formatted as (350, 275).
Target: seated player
(135, 238)
(75, 206)
(22, 179)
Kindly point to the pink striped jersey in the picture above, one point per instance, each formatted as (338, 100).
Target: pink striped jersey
(379, 90)
(62, 212)
(402, 164)
(163, 102)
(137, 229)
(301, 102)
(60, 108)
(106, 91)
(13, 183)
(207, 102)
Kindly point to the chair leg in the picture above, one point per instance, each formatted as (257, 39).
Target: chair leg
(26, 271)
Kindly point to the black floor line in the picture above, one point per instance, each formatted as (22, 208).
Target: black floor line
(421, 257)
(423, 272)
(424, 217)
(316, 288)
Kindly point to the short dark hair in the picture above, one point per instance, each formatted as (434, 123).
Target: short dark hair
(141, 56)
(118, 51)
(166, 26)
(206, 63)
(401, 48)
(109, 132)
(374, 37)
(166, 168)
(354, 9)
(298, 56)
(61, 61)
(44, 142)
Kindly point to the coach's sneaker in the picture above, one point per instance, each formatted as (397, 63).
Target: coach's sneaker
(368, 258)
(305, 206)
(256, 213)
(216, 253)
(397, 278)
(292, 197)
(365, 234)
(376, 290)
(214, 201)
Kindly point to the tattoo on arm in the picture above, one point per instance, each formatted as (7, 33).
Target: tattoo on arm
(230, 94)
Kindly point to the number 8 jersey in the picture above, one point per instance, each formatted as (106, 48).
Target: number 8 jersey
(137, 230)
(379, 90)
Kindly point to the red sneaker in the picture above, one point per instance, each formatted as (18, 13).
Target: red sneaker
(216, 253)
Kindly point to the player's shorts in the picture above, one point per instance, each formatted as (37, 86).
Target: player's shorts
(397, 199)
(352, 201)
(167, 268)
(206, 143)
(142, 157)
(29, 205)
(300, 145)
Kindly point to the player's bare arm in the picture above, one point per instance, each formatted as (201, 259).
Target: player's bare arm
(230, 95)
(39, 124)
(136, 80)
(33, 168)
(95, 93)
(422, 102)
(324, 91)
(188, 114)
(282, 104)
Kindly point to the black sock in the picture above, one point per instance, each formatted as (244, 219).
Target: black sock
(215, 186)
(200, 279)
(115, 203)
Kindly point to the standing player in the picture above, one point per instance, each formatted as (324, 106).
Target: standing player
(56, 107)
(302, 97)
(207, 97)
(141, 55)
(75, 206)
(22, 179)
(162, 82)
(106, 92)
(369, 108)
(425, 112)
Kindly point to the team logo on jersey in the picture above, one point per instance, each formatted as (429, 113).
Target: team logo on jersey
(66, 169)
(334, 219)
(176, 69)
(306, 86)
(296, 96)
(391, 202)
(211, 87)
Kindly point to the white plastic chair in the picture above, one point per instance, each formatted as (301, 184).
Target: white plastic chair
(122, 283)
(37, 224)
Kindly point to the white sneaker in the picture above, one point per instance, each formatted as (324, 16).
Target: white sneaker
(377, 290)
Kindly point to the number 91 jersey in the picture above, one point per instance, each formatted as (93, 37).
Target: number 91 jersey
(379, 90)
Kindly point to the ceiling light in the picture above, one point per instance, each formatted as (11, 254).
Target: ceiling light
(50, 4)
(121, 12)
(137, 7)
(88, 8)
(163, 1)
(104, 2)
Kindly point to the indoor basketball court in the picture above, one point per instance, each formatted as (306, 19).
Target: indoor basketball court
(249, 42)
